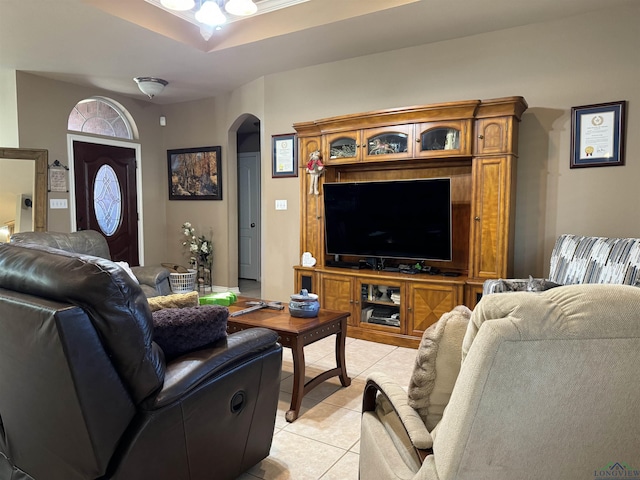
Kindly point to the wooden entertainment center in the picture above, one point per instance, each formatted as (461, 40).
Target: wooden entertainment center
(474, 143)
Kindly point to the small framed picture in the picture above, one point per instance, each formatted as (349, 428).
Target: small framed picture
(195, 174)
(285, 156)
(598, 135)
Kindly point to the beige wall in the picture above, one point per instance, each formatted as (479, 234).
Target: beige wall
(208, 123)
(587, 59)
(43, 109)
(197, 124)
(8, 109)
(592, 58)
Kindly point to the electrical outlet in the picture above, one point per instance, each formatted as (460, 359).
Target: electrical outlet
(281, 204)
(58, 203)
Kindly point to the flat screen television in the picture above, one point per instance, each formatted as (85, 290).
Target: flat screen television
(405, 219)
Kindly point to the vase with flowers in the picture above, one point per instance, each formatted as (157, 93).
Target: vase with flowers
(200, 252)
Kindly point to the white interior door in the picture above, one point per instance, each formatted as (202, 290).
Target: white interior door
(249, 215)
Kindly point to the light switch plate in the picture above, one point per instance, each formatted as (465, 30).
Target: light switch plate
(281, 204)
(58, 203)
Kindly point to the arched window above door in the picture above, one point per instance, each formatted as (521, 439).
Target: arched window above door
(100, 116)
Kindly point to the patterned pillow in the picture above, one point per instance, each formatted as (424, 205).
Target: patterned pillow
(181, 330)
(437, 365)
(176, 300)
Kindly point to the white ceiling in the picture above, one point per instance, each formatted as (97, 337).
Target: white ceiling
(78, 41)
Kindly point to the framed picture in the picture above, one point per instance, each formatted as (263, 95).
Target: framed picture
(597, 135)
(195, 174)
(285, 155)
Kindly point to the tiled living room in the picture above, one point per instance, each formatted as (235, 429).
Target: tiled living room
(323, 443)
(329, 421)
(523, 113)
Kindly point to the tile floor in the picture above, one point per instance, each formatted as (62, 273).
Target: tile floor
(323, 443)
(249, 288)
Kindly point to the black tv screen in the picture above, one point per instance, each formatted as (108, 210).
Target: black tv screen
(390, 219)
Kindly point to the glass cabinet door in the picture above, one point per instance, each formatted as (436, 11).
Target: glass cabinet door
(343, 147)
(380, 305)
(440, 139)
(388, 143)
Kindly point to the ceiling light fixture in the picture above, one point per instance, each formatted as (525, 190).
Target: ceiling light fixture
(210, 14)
(179, 5)
(241, 8)
(150, 86)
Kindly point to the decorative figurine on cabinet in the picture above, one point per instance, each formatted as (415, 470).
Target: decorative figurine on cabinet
(315, 167)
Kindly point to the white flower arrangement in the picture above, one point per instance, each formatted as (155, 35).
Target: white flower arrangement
(200, 248)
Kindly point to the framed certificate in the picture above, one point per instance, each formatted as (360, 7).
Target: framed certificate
(597, 135)
(285, 156)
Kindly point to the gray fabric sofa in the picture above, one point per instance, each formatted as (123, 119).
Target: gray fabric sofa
(153, 280)
(546, 389)
(579, 259)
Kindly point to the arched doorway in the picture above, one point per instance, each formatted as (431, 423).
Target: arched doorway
(249, 206)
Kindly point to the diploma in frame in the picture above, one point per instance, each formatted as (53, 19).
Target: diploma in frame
(597, 135)
(285, 156)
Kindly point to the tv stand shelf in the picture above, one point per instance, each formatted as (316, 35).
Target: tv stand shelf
(474, 144)
(421, 299)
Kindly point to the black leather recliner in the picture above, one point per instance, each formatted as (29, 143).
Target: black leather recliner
(85, 393)
(153, 279)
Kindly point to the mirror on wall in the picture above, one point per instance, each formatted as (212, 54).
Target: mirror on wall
(23, 191)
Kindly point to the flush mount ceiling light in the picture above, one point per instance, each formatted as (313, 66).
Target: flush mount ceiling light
(150, 86)
(178, 5)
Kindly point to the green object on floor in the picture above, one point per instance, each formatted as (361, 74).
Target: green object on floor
(222, 298)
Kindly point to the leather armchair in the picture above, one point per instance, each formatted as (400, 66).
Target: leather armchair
(85, 393)
(154, 280)
(547, 389)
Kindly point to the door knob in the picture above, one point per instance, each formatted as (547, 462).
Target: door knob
(253, 225)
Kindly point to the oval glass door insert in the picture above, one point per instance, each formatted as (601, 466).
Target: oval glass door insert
(107, 200)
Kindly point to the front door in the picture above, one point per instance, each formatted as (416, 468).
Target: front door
(249, 215)
(106, 196)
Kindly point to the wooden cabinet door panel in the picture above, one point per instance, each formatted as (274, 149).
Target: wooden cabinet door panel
(310, 210)
(490, 216)
(427, 303)
(492, 136)
(337, 294)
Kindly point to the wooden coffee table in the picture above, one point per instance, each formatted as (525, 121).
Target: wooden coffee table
(295, 333)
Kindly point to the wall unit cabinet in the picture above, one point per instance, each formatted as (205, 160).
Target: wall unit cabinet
(474, 143)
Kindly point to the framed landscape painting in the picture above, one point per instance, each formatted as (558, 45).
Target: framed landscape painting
(195, 174)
